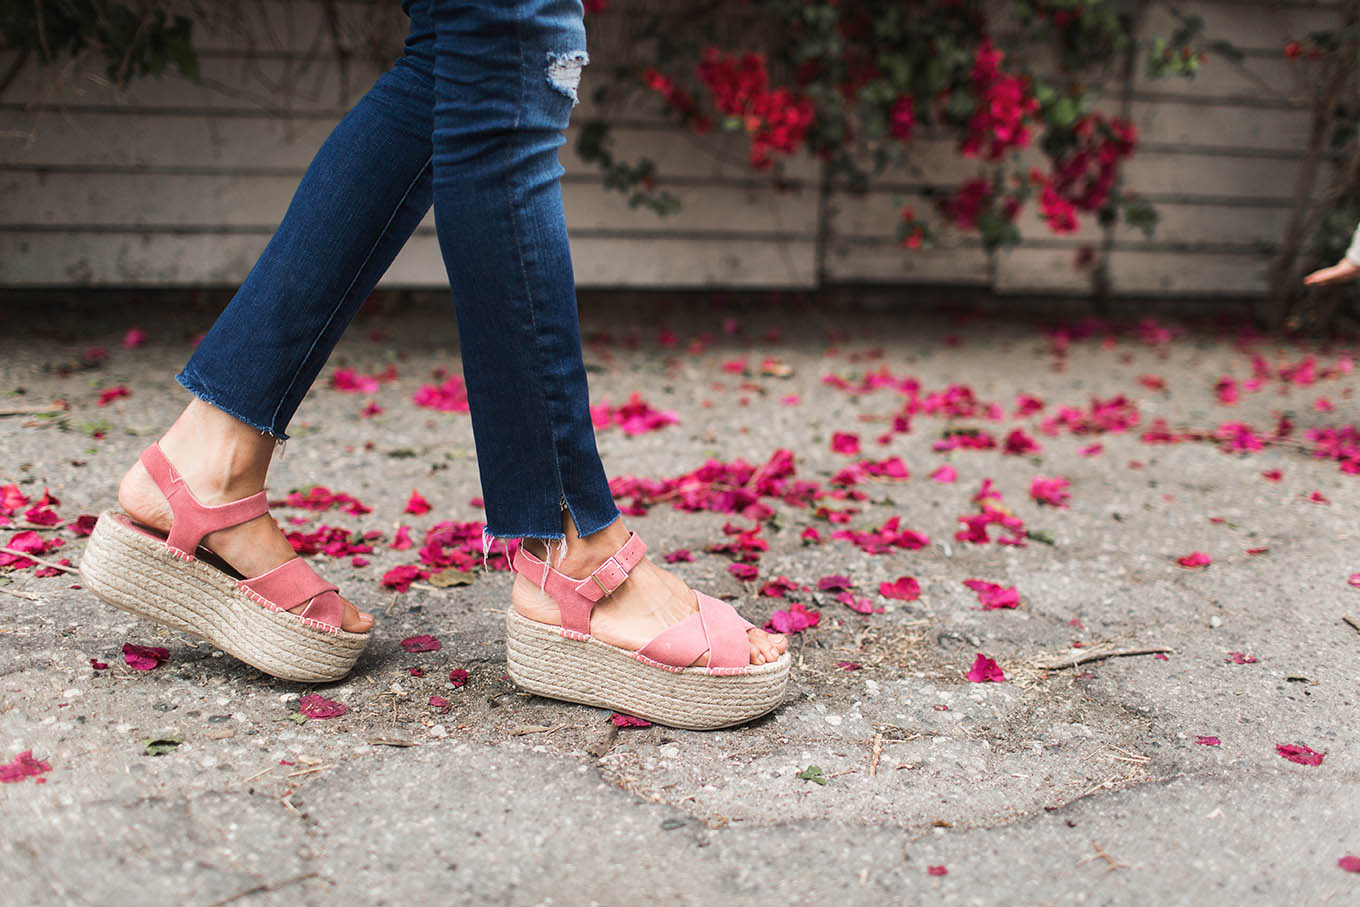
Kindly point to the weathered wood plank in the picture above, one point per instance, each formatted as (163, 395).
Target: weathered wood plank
(169, 259)
(208, 201)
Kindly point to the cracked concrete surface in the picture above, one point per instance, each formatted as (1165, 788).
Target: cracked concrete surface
(1017, 789)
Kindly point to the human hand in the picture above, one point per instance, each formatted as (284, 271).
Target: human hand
(1342, 271)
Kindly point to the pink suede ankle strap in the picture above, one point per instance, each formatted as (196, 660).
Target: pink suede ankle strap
(576, 597)
(190, 520)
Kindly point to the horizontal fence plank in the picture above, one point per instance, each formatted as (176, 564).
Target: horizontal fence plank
(1259, 25)
(177, 259)
(1223, 125)
(133, 140)
(226, 201)
(1139, 273)
(852, 260)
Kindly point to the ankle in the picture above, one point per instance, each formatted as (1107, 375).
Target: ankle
(220, 457)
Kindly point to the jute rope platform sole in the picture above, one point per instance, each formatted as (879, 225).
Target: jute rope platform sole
(136, 573)
(545, 663)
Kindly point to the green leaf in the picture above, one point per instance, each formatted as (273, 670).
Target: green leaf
(812, 773)
(161, 746)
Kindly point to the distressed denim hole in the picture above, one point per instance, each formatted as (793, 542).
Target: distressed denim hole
(564, 72)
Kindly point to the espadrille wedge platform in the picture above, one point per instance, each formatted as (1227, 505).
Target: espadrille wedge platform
(657, 681)
(171, 580)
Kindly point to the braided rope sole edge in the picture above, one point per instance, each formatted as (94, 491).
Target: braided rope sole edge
(141, 575)
(543, 662)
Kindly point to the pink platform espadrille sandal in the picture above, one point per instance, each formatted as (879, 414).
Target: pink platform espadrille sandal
(171, 580)
(657, 681)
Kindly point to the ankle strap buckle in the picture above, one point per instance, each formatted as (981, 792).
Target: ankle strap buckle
(599, 582)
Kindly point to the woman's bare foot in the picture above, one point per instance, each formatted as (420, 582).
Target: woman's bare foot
(221, 460)
(648, 602)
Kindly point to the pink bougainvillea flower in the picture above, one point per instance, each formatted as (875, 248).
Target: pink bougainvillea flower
(422, 643)
(23, 766)
(449, 397)
(791, 400)
(400, 578)
(1240, 658)
(1160, 657)
(144, 658)
(743, 571)
(41, 516)
(27, 542)
(439, 702)
(937, 871)
(134, 338)
(992, 596)
(1349, 863)
(458, 677)
(417, 672)
(1256, 551)
(348, 381)
(371, 409)
(941, 707)
(316, 706)
(99, 665)
(849, 665)
(1272, 475)
(1296, 752)
(945, 474)
(402, 540)
(319, 498)
(985, 670)
(82, 525)
(1195, 559)
(834, 583)
(858, 605)
(417, 504)
(1018, 443)
(113, 393)
(795, 620)
(811, 535)
(1152, 382)
(1323, 405)
(1316, 497)
(622, 720)
(1208, 741)
(1092, 450)
(845, 443)
(904, 588)
(1052, 492)
(778, 587)
(1354, 580)
(679, 556)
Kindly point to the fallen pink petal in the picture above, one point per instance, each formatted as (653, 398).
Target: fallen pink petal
(937, 871)
(1195, 559)
(621, 720)
(1208, 741)
(416, 504)
(421, 643)
(904, 588)
(316, 706)
(23, 766)
(144, 658)
(458, 677)
(985, 670)
(1303, 755)
(993, 596)
(1349, 863)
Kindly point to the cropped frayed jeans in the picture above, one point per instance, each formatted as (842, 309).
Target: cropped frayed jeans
(470, 118)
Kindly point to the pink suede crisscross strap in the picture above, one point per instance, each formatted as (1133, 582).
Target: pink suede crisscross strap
(576, 597)
(190, 520)
(292, 583)
(716, 628)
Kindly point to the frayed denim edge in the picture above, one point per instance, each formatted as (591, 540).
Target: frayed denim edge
(194, 385)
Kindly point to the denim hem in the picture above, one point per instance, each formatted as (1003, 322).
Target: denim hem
(603, 526)
(554, 536)
(193, 384)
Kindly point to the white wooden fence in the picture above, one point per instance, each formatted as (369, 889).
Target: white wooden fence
(173, 183)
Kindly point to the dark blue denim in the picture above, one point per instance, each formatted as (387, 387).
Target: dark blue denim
(470, 118)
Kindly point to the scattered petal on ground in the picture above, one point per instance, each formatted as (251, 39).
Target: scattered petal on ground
(417, 504)
(314, 705)
(1195, 559)
(937, 871)
(621, 720)
(845, 443)
(993, 596)
(421, 643)
(144, 658)
(945, 474)
(904, 588)
(1240, 658)
(113, 393)
(458, 677)
(794, 620)
(1208, 741)
(679, 556)
(1349, 863)
(1050, 491)
(1303, 755)
(985, 670)
(23, 766)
